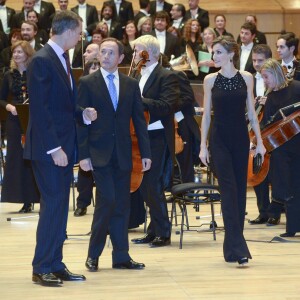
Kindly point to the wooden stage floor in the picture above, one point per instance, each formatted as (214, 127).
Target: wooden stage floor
(198, 271)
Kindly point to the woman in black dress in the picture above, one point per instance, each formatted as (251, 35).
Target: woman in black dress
(230, 92)
(285, 160)
(18, 182)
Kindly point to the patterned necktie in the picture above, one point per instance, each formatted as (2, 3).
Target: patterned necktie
(112, 90)
(67, 59)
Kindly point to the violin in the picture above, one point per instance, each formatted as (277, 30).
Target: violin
(136, 173)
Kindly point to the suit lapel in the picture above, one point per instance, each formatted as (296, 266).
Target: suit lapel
(59, 66)
(151, 79)
(104, 93)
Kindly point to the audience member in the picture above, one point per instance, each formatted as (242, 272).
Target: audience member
(195, 12)
(122, 11)
(220, 24)
(144, 25)
(168, 42)
(143, 12)
(247, 35)
(6, 16)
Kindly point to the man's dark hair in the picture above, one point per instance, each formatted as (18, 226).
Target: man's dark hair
(181, 8)
(110, 6)
(290, 40)
(65, 20)
(262, 49)
(249, 26)
(111, 39)
(144, 3)
(162, 15)
(35, 28)
(253, 16)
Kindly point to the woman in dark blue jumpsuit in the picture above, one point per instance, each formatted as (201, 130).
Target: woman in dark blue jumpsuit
(230, 92)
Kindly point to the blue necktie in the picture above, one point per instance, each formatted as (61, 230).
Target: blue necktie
(112, 90)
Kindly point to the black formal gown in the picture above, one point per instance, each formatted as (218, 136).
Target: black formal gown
(229, 145)
(18, 182)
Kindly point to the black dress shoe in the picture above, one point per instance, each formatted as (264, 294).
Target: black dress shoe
(132, 265)
(273, 221)
(92, 264)
(288, 234)
(258, 220)
(160, 242)
(243, 261)
(144, 240)
(66, 275)
(80, 211)
(47, 279)
(26, 208)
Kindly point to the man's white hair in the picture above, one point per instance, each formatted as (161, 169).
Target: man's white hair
(150, 43)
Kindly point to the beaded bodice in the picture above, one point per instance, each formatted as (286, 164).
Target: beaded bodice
(229, 100)
(229, 84)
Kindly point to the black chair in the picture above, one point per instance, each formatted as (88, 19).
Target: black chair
(196, 194)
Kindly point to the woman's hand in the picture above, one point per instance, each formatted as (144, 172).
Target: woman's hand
(260, 148)
(11, 109)
(204, 155)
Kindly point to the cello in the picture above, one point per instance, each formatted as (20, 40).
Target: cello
(255, 178)
(136, 173)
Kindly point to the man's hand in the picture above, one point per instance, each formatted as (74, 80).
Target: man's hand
(86, 164)
(60, 158)
(90, 114)
(11, 108)
(146, 164)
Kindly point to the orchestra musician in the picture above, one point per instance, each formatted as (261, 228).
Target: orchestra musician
(160, 95)
(285, 160)
(260, 53)
(229, 91)
(18, 182)
(105, 148)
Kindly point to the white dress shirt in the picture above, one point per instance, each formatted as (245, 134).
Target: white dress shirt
(176, 23)
(82, 14)
(245, 52)
(118, 4)
(108, 23)
(159, 6)
(161, 37)
(289, 65)
(260, 86)
(145, 76)
(3, 18)
(37, 6)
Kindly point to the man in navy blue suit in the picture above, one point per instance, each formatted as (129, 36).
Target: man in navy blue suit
(51, 145)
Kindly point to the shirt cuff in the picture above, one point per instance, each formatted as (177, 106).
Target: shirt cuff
(53, 150)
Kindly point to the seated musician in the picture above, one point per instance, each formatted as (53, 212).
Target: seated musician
(285, 160)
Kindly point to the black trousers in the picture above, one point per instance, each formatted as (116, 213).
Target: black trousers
(285, 179)
(112, 211)
(85, 185)
(152, 187)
